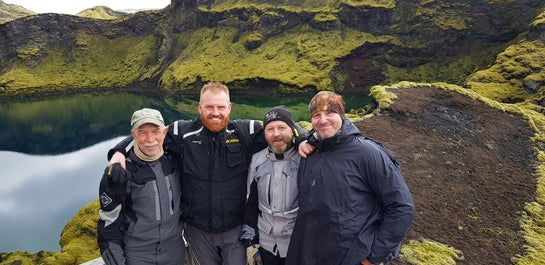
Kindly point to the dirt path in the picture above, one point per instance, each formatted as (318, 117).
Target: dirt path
(469, 167)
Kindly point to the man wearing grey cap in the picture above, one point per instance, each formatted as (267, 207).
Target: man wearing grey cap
(140, 207)
(272, 204)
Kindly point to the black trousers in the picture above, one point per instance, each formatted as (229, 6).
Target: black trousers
(269, 258)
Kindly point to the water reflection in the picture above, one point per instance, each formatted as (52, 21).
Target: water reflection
(68, 123)
(41, 193)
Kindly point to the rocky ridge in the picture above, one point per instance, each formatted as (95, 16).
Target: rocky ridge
(374, 42)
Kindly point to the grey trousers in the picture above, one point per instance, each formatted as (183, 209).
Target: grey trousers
(216, 249)
(168, 252)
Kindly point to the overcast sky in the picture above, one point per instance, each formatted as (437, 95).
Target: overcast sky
(73, 7)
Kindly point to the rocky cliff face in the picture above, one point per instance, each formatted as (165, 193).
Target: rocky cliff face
(378, 42)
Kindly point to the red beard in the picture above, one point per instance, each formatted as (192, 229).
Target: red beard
(215, 126)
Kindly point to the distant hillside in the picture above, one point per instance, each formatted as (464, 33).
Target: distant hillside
(280, 48)
(10, 12)
(101, 12)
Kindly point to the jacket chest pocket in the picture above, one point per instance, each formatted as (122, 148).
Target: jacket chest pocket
(234, 165)
(234, 155)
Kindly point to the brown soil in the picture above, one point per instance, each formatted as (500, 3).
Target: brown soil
(469, 167)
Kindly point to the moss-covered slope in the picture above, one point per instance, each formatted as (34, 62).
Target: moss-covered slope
(10, 12)
(290, 46)
(101, 12)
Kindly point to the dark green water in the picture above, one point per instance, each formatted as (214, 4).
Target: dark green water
(68, 123)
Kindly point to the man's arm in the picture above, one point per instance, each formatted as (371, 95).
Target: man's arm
(305, 149)
(251, 212)
(398, 208)
(301, 143)
(112, 196)
(250, 236)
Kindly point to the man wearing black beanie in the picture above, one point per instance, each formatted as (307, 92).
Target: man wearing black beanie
(272, 202)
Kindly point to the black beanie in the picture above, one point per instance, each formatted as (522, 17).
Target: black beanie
(279, 113)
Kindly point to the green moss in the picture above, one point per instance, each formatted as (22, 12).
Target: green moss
(540, 19)
(100, 63)
(534, 230)
(435, 16)
(288, 5)
(444, 15)
(370, 3)
(78, 238)
(28, 52)
(99, 12)
(302, 57)
(24, 258)
(383, 97)
(325, 17)
(503, 81)
(423, 252)
(308, 5)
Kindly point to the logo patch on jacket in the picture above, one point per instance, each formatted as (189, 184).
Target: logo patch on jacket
(105, 199)
(230, 141)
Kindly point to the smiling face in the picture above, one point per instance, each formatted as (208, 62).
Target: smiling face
(326, 123)
(215, 108)
(149, 138)
(278, 136)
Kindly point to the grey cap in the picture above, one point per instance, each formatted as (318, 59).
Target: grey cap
(146, 115)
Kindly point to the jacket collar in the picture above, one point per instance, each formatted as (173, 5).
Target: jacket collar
(348, 130)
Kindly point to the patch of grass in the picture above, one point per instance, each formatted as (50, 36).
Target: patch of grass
(424, 252)
(540, 19)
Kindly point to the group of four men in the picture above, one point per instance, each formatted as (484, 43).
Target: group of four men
(236, 187)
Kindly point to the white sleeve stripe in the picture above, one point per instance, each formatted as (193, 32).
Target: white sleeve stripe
(175, 126)
(109, 216)
(129, 146)
(192, 133)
